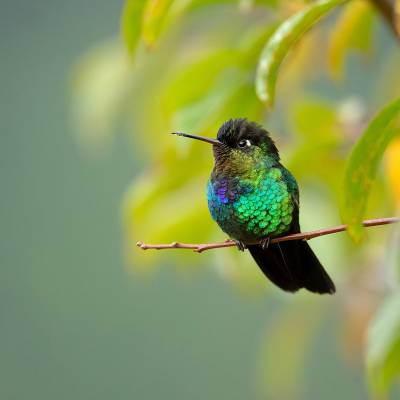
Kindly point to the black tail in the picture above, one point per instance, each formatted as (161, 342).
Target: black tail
(292, 265)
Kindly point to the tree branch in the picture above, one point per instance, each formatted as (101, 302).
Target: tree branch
(199, 248)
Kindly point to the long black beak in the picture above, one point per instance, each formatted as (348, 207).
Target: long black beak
(202, 138)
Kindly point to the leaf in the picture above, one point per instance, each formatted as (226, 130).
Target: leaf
(148, 19)
(392, 163)
(191, 118)
(315, 120)
(290, 341)
(383, 345)
(352, 30)
(182, 90)
(159, 15)
(154, 20)
(101, 85)
(362, 165)
(131, 23)
(280, 43)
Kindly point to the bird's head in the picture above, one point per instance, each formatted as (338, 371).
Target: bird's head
(241, 146)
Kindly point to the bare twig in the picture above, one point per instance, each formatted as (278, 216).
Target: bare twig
(200, 247)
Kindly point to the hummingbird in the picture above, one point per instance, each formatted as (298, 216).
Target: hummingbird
(254, 198)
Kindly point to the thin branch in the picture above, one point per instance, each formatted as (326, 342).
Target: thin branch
(200, 247)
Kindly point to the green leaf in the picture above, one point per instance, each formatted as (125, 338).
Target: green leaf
(280, 43)
(105, 70)
(383, 345)
(155, 17)
(287, 376)
(315, 120)
(175, 197)
(131, 23)
(182, 90)
(352, 30)
(362, 165)
(150, 19)
(191, 118)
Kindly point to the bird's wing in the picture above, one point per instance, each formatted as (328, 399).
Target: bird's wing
(293, 189)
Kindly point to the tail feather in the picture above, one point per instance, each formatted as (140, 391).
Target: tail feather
(292, 265)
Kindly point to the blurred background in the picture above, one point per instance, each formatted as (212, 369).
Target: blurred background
(88, 168)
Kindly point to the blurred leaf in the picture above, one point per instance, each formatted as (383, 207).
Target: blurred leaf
(153, 19)
(159, 15)
(181, 90)
(169, 174)
(362, 165)
(353, 29)
(101, 86)
(383, 345)
(149, 19)
(252, 41)
(315, 120)
(280, 43)
(247, 5)
(209, 107)
(131, 23)
(178, 210)
(285, 350)
(392, 161)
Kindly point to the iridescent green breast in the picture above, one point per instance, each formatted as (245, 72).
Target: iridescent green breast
(254, 208)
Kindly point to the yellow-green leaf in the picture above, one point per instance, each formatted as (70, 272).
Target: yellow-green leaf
(131, 23)
(106, 69)
(383, 345)
(352, 30)
(182, 90)
(362, 165)
(286, 377)
(191, 117)
(315, 120)
(280, 43)
(153, 20)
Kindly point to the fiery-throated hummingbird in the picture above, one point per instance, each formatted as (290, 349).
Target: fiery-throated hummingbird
(254, 198)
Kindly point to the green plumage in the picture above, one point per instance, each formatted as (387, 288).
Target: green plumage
(250, 209)
(268, 208)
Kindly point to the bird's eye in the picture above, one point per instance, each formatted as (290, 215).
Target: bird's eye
(244, 143)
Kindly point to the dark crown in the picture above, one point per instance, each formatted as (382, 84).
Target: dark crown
(234, 130)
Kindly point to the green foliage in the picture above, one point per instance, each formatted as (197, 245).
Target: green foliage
(189, 65)
(362, 165)
(131, 23)
(287, 376)
(280, 43)
(352, 31)
(383, 346)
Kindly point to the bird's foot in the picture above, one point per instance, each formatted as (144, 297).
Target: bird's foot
(265, 243)
(240, 245)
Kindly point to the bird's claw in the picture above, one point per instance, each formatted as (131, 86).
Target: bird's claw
(265, 243)
(240, 245)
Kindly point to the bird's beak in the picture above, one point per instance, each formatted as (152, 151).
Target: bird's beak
(202, 138)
